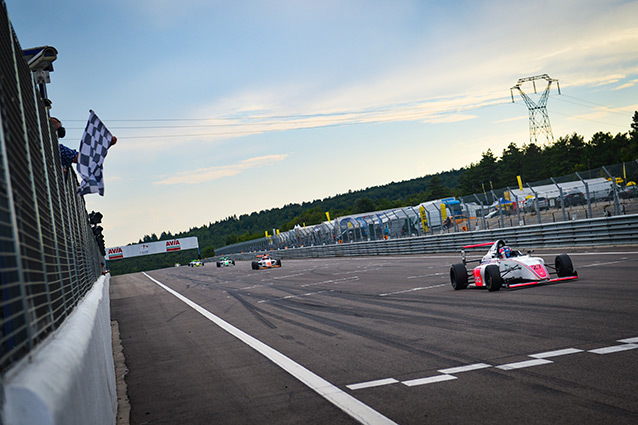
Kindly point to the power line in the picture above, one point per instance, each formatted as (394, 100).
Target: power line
(607, 108)
(417, 105)
(269, 123)
(588, 119)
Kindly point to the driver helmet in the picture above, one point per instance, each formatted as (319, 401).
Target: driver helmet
(505, 252)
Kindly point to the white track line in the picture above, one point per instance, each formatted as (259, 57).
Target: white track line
(601, 264)
(630, 344)
(370, 384)
(614, 349)
(412, 290)
(290, 297)
(344, 401)
(556, 353)
(331, 281)
(467, 368)
(526, 363)
(250, 287)
(428, 380)
(288, 276)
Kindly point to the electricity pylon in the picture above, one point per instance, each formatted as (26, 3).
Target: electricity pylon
(537, 124)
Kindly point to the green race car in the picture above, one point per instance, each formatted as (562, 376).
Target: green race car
(225, 262)
(196, 263)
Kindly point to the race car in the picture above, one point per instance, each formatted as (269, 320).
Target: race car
(196, 263)
(502, 266)
(265, 262)
(225, 262)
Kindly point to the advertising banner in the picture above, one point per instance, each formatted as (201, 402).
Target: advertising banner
(160, 247)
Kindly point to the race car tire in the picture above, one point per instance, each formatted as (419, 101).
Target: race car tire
(278, 263)
(219, 264)
(233, 262)
(255, 265)
(493, 280)
(458, 276)
(564, 266)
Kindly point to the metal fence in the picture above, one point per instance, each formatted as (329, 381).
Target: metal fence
(604, 192)
(619, 230)
(49, 257)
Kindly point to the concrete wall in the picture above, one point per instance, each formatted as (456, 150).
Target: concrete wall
(70, 378)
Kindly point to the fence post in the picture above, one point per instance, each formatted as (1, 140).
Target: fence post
(586, 194)
(615, 190)
(561, 197)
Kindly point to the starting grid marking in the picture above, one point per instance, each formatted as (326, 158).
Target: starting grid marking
(538, 360)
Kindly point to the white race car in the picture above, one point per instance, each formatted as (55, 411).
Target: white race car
(225, 262)
(196, 263)
(265, 262)
(502, 266)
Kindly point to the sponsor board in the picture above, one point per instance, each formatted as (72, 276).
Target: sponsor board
(148, 248)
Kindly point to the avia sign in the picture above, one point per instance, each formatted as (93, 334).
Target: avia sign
(114, 253)
(172, 245)
(148, 248)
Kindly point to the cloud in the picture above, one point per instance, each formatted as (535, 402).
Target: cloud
(627, 85)
(519, 118)
(203, 175)
(449, 118)
(416, 81)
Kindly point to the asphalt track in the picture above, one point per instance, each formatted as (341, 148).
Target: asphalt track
(379, 340)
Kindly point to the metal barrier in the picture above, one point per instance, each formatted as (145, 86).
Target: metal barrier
(600, 194)
(620, 230)
(49, 257)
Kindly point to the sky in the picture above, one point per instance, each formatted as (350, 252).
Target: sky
(224, 108)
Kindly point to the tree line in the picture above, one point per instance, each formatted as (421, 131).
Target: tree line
(568, 154)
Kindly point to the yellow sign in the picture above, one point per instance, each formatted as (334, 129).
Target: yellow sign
(520, 183)
(443, 212)
(424, 218)
(266, 233)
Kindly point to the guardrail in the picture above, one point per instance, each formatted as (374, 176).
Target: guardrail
(620, 230)
(49, 258)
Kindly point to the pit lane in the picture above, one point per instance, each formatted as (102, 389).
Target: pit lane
(389, 332)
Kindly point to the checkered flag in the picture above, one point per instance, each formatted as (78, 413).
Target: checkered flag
(93, 148)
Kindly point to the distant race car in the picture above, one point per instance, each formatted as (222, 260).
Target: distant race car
(502, 266)
(196, 263)
(225, 262)
(265, 262)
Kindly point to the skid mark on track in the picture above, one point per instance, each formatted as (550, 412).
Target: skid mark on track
(308, 294)
(356, 409)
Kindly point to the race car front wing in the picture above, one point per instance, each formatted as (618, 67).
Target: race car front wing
(540, 282)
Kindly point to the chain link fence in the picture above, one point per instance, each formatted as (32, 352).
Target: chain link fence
(608, 191)
(49, 257)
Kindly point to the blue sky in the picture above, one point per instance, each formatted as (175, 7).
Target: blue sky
(230, 107)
